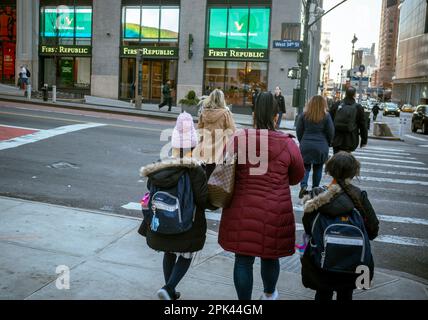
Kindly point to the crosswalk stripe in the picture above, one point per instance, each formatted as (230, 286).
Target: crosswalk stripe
(399, 181)
(401, 153)
(214, 215)
(406, 241)
(358, 154)
(403, 219)
(395, 173)
(383, 149)
(390, 160)
(392, 166)
(45, 134)
(390, 239)
(416, 138)
(16, 127)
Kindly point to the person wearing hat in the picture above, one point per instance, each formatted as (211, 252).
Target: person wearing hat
(178, 249)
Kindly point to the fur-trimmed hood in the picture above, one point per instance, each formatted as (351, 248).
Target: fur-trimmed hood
(330, 200)
(169, 163)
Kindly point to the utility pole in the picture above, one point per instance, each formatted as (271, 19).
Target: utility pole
(304, 58)
(138, 80)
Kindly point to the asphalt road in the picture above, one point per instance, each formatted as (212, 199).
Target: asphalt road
(98, 168)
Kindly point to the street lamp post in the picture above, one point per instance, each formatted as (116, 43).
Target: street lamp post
(355, 39)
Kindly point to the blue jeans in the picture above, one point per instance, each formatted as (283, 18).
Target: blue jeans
(279, 119)
(243, 275)
(316, 176)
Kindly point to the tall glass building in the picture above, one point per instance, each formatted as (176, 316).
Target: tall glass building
(411, 71)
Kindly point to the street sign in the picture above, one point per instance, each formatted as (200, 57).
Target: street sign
(287, 44)
(362, 68)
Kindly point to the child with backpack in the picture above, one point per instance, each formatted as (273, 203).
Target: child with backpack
(339, 221)
(174, 216)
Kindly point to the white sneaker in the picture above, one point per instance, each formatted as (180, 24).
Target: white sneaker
(274, 296)
(163, 294)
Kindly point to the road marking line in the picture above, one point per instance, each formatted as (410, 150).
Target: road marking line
(45, 134)
(368, 152)
(406, 241)
(383, 149)
(390, 160)
(132, 206)
(416, 138)
(80, 121)
(358, 154)
(398, 173)
(16, 127)
(392, 166)
(423, 146)
(398, 181)
(403, 219)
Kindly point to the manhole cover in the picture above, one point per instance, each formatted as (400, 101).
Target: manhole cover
(63, 165)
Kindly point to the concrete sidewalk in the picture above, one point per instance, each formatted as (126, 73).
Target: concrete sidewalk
(108, 259)
(117, 106)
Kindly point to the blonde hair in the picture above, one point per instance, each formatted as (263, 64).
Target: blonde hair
(316, 109)
(215, 100)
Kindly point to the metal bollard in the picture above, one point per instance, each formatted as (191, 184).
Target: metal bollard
(29, 92)
(54, 94)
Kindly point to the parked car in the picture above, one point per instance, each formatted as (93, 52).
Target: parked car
(407, 108)
(420, 119)
(391, 108)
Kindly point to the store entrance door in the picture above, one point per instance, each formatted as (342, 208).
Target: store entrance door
(155, 74)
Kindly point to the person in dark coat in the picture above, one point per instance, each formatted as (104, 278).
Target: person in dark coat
(167, 98)
(375, 111)
(337, 199)
(349, 141)
(166, 173)
(281, 105)
(259, 222)
(315, 132)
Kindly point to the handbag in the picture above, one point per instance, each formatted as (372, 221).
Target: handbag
(222, 182)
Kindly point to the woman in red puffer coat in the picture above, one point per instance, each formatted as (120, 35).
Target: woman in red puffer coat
(259, 221)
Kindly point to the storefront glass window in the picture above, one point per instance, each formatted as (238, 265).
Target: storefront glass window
(7, 41)
(238, 79)
(150, 23)
(67, 72)
(239, 28)
(66, 25)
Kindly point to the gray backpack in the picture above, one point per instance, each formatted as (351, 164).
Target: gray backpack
(345, 119)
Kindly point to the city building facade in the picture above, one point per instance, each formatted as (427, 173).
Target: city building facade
(388, 43)
(89, 47)
(411, 71)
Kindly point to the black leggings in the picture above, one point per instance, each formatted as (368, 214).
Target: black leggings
(174, 269)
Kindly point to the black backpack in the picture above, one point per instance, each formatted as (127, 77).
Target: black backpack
(28, 73)
(345, 119)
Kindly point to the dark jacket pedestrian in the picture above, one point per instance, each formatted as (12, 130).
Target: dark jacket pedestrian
(375, 111)
(315, 132)
(337, 199)
(166, 93)
(281, 105)
(178, 248)
(349, 141)
(259, 221)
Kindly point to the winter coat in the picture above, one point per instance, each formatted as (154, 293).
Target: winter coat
(211, 147)
(375, 109)
(348, 141)
(166, 91)
(260, 221)
(165, 174)
(333, 201)
(315, 138)
(281, 103)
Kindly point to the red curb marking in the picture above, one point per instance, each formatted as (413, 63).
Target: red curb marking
(7, 133)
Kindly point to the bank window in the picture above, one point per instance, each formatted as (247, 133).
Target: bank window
(66, 25)
(150, 23)
(239, 27)
(67, 72)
